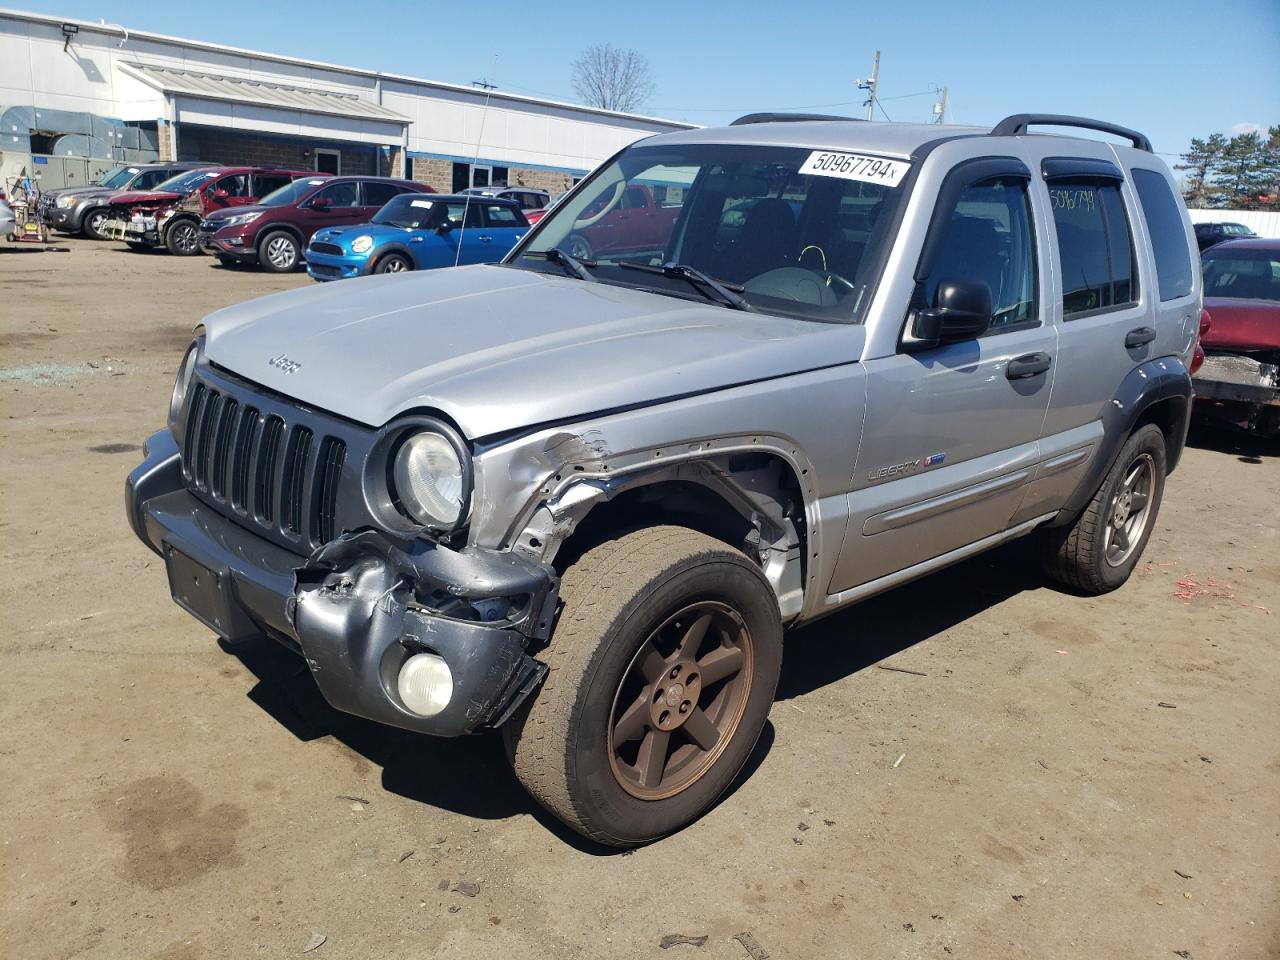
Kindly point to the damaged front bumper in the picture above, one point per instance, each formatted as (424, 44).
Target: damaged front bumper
(1241, 389)
(358, 607)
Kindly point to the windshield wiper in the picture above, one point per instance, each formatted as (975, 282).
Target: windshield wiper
(726, 293)
(571, 264)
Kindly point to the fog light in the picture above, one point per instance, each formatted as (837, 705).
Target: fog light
(425, 684)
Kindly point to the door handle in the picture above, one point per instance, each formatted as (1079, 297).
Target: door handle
(1138, 336)
(1028, 365)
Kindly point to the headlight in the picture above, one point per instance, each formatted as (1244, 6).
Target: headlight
(428, 480)
(185, 371)
(362, 244)
(240, 219)
(65, 201)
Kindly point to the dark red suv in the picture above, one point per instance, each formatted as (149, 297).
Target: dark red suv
(170, 215)
(275, 231)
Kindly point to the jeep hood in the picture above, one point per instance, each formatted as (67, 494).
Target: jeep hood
(496, 348)
(1242, 324)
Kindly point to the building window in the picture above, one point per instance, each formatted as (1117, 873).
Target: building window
(328, 161)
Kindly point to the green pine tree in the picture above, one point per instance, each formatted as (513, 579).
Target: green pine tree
(1203, 160)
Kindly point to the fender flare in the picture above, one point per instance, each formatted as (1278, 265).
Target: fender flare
(1165, 378)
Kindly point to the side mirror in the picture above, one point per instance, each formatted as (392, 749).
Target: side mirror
(219, 194)
(961, 310)
(444, 228)
(319, 206)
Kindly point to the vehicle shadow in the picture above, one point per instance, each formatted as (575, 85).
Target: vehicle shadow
(470, 776)
(1224, 438)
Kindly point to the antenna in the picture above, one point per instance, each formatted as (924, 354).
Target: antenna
(466, 205)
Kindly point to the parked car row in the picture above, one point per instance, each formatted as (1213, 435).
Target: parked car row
(268, 217)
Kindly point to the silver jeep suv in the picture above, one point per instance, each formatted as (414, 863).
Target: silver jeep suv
(580, 500)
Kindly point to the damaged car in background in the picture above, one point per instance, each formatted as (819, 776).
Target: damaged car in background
(1239, 379)
(579, 499)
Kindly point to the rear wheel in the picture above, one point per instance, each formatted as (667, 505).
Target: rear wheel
(279, 252)
(663, 667)
(182, 239)
(578, 247)
(94, 224)
(393, 263)
(1098, 552)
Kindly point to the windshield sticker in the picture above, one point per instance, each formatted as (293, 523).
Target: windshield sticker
(314, 183)
(855, 166)
(425, 204)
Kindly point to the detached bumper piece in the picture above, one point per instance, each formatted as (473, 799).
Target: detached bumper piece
(358, 608)
(1240, 389)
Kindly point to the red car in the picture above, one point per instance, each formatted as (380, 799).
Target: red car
(1239, 380)
(620, 220)
(170, 215)
(274, 233)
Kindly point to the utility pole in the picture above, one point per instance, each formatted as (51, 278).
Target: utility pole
(484, 84)
(940, 108)
(870, 87)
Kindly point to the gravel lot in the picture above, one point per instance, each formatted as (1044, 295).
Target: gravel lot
(1082, 777)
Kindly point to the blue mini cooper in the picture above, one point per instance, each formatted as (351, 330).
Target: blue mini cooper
(418, 231)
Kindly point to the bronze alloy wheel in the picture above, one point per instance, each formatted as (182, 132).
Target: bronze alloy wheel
(680, 700)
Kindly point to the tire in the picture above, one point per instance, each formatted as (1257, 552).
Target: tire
(182, 239)
(279, 252)
(621, 598)
(578, 247)
(92, 223)
(393, 263)
(1098, 551)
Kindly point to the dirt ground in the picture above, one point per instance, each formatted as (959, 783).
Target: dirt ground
(1083, 778)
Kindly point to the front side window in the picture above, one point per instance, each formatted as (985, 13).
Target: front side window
(1095, 246)
(806, 244)
(1168, 236)
(236, 185)
(338, 195)
(1242, 274)
(989, 238)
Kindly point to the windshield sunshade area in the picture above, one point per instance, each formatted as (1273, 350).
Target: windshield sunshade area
(291, 193)
(117, 178)
(412, 211)
(185, 182)
(789, 230)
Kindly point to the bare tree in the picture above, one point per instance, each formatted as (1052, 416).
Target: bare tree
(612, 78)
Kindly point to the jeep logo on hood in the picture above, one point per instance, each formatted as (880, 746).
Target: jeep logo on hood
(285, 364)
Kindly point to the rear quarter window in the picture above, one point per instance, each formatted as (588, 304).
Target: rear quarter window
(1095, 245)
(1168, 236)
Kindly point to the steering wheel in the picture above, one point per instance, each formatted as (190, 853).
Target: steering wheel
(607, 208)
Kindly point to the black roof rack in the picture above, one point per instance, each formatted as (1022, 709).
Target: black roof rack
(784, 118)
(1016, 126)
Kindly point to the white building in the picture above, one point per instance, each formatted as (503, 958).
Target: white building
(77, 98)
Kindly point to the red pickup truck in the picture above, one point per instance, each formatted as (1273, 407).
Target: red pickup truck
(170, 215)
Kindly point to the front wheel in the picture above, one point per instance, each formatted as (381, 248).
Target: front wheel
(182, 239)
(663, 667)
(1098, 551)
(393, 263)
(279, 252)
(578, 247)
(94, 223)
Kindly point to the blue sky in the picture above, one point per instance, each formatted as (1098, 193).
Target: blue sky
(1170, 68)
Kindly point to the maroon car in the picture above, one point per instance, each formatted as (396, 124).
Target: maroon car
(274, 232)
(1239, 380)
(629, 220)
(170, 215)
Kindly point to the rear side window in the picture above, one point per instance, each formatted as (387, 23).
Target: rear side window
(500, 215)
(1095, 245)
(264, 184)
(150, 178)
(1168, 236)
(377, 194)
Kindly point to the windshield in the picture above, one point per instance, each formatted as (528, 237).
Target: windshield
(1242, 274)
(796, 231)
(185, 182)
(290, 193)
(114, 179)
(412, 212)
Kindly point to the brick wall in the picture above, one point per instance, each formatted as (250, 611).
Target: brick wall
(246, 149)
(438, 174)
